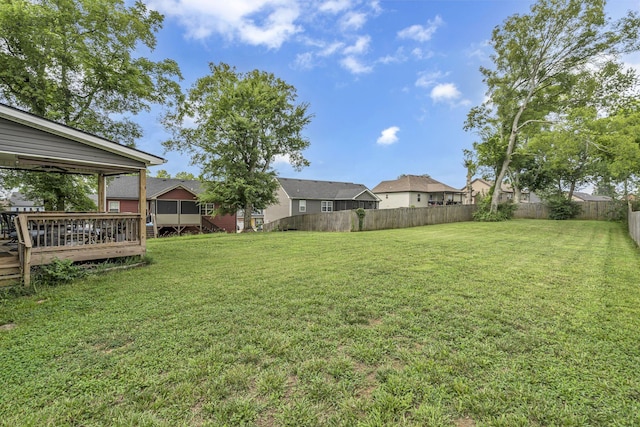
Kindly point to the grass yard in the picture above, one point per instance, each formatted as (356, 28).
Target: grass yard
(522, 323)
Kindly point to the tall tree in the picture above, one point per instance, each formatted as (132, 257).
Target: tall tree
(242, 123)
(74, 62)
(469, 163)
(566, 153)
(535, 57)
(55, 191)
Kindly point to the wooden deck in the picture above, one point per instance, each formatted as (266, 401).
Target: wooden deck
(43, 237)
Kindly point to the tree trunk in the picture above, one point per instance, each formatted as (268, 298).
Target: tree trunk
(495, 199)
(248, 209)
(517, 194)
(572, 188)
(497, 186)
(469, 196)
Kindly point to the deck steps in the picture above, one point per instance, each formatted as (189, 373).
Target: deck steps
(10, 273)
(10, 280)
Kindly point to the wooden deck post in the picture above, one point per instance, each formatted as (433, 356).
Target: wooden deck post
(102, 185)
(143, 207)
(24, 247)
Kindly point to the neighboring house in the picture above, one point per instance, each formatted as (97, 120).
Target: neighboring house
(416, 191)
(481, 187)
(18, 203)
(301, 196)
(171, 203)
(585, 197)
(257, 219)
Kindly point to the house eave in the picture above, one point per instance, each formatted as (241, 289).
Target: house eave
(36, 122)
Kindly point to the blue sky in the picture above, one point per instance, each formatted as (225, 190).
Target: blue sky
(389, 82)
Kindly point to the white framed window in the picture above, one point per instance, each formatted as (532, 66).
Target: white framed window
(419, 196)
(302, 206)
(326, 206)
(207, 208)
(114, 206)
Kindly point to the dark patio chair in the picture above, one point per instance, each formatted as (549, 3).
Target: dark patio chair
(7, 219)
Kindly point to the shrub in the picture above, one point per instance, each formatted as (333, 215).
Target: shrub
(562, 208)
(361, 214)
(483, 213)
(59, 272)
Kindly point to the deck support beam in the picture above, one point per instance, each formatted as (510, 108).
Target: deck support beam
(143, 206)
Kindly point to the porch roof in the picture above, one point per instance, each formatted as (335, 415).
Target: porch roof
(31, 142)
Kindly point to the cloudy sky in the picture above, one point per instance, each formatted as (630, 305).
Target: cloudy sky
(389, 82)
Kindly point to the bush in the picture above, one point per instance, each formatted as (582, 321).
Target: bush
(59, 272)
(361, 214)
(562, 208)
(483, 213)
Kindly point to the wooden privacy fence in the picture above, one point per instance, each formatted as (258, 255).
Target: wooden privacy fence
(601, 210)
(634, 225)
(380, 219)
(374, 219)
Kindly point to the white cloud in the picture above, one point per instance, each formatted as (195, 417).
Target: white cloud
(335, 6)
(445, 92)
(375, 6)
(257, 22)
(420, 33)
(398, 57)
(361, 46)
(330, 49)
(419, 53)
(480, 50)
(304, 61)
(353, 21)
(388, 136)
(448, 93)
(355, 66)
(426, 79)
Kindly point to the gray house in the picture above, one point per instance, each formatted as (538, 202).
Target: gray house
(301, 196)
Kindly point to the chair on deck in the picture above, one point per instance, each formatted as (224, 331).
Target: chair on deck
(7, 219)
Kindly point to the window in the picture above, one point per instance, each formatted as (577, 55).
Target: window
(327, 206)
(207, 208)
(114, 206)
(167, 207)
(189, 208)
(418, 196)
(302, 206)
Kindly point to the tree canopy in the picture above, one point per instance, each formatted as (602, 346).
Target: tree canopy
(75, 62)
(235, 125)
(538, 62)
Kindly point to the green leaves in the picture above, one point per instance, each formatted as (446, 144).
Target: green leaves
(549, 66)
(242, 122)
(74, 62)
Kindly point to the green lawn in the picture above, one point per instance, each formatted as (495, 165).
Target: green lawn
(472, 324)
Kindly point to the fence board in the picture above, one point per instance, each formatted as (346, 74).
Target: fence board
(634, 226)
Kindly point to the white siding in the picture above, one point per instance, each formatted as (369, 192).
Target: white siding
(394, 200)
(282, 209)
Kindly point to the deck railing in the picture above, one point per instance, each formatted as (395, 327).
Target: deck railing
(56, 230)
(46, 236)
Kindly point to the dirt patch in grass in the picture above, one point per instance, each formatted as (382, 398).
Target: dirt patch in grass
(465, 422)
(8, 326)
